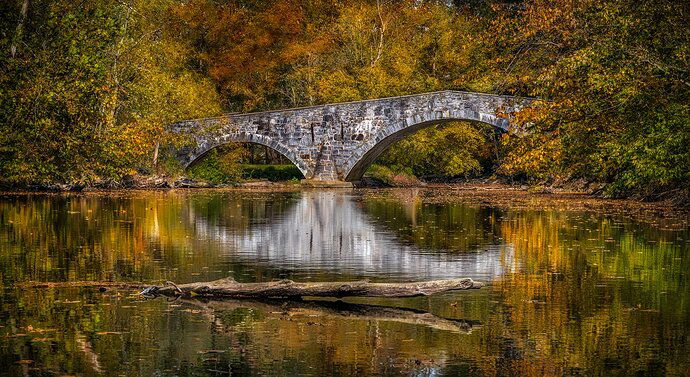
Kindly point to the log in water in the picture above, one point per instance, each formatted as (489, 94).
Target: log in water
(230, 288)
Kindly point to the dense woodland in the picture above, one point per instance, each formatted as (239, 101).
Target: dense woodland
(88, 87)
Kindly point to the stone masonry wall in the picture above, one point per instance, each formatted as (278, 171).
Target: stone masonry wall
(339, 141)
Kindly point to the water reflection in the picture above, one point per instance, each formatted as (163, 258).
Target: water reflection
(573, 292)
(330, 231)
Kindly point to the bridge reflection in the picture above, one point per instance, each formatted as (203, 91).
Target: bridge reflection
(331, 231)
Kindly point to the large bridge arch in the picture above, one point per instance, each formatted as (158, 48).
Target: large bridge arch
(338, 141)
(365, 155)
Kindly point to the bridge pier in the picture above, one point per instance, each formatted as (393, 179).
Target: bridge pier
(316, 183)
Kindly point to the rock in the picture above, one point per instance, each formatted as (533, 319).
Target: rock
(257, 184)
(189, 183)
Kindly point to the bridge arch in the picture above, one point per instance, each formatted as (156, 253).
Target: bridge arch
(206, 145)
(362, 157)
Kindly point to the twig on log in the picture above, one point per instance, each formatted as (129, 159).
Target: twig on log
(168, 282)
(229, 288)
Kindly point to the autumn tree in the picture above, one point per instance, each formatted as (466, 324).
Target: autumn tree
(617, 75)
(88, 89)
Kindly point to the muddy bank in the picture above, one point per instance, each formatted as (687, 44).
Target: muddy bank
(676, 197)
(145, 183)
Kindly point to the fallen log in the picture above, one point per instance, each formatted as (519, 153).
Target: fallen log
(229, 288)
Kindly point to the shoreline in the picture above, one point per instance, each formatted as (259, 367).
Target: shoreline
(470, 191)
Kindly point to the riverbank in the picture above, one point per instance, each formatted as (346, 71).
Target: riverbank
(677, 199)
(146, 183)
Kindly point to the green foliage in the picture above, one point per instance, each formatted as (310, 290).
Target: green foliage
(654, 158)
(226, 168)
(394, 175)
(451, 150)
(221, 165)
(273, 173)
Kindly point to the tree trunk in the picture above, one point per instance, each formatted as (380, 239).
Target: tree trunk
(254, 296)
(20, 28)
(229, 288)
(155, 155)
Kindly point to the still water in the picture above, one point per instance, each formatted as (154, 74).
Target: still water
(572, 289)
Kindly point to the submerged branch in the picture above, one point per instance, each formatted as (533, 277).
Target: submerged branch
(81, 284)
(314, 310)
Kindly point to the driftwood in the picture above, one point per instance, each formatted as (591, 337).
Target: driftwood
(229, 288)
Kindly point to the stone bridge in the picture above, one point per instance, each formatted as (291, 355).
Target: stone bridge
(338, 142)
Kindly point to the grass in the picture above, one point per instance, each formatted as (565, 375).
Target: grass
(392, 176)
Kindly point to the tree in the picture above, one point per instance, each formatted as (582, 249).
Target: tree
(87, 95)
(617, 76)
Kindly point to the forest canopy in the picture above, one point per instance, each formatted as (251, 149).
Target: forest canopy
(87, 88)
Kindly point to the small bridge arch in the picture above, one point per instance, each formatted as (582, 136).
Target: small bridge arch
(337, 142)
(205, 143)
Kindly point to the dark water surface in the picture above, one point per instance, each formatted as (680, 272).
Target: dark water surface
(572, 291)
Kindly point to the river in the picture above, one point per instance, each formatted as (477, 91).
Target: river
(573, 287)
